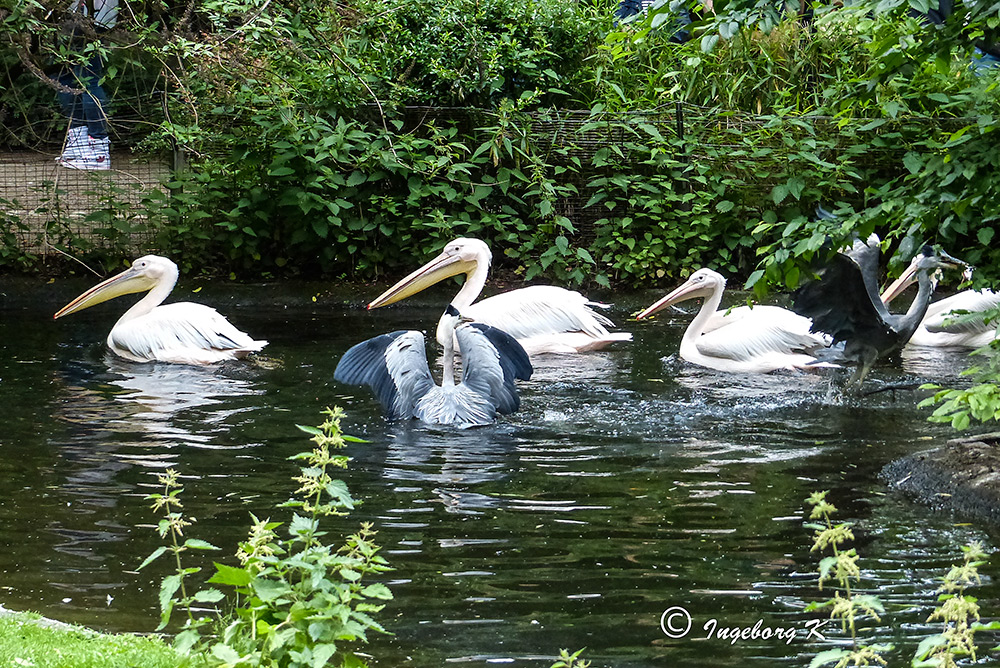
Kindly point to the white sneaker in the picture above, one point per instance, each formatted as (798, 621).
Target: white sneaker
(76, 140)
(93, 155)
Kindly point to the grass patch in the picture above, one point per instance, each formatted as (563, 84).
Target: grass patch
(27, 642)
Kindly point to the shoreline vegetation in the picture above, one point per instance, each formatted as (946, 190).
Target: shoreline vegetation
(28, 640)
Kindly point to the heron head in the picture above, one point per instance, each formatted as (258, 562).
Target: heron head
(930, 260)
(460, 256)
(701, 283)
(144, 274)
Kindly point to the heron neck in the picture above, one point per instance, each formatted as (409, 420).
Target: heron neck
(918, 308)
(448, 375)
(153, 298)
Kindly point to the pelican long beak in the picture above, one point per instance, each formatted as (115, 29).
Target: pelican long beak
(905, 280)
(438, 269)
(687, 291)
(127, 282)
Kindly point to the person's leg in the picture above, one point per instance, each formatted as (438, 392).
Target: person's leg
(94, 100)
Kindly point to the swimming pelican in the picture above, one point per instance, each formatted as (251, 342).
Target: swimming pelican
(182, 332)
(395, 367)
(542, 318)
(756, 340)
(941, 327)
(845, 304)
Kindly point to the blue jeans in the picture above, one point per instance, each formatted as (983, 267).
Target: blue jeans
(91, 108)
(982, 61)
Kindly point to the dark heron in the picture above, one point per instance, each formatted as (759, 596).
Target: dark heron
(844, 303)
(957, 321)
(395, 367)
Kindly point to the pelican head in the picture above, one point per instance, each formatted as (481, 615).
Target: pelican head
(929, 259)
(702, 283)
(460, 256)
(145, 273)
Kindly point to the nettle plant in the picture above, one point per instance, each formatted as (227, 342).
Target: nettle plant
(842, 567)
(294, 600)
(959, 612)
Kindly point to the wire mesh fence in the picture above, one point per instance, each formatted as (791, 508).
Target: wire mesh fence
(49, 208)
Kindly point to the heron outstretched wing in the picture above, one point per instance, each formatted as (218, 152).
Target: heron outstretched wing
(839, 302)
(491, 360)
(394, 366)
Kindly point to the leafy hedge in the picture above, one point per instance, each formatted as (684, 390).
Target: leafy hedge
(308, 155)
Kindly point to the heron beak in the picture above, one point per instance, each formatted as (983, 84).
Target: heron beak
(687, 291)
(438, 269)
(127, 282)
(954, 262)
(909, 276)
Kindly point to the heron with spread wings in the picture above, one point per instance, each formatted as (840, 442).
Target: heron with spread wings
(395, 367)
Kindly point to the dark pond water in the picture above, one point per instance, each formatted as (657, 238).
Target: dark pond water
(629, 483)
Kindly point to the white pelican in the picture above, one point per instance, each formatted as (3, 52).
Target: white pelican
(844, 303)
(183, 332)
(757, 340)
(395, 367)
(543, 318)
(941, 327)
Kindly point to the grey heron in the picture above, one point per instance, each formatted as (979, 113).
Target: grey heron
(843, 302)
(760, 339)
(944, 325)
(182, 332)
(395, 367)
(543, 318)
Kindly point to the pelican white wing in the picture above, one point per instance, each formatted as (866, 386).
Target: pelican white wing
(761, 335)
(541, 318)
(941, 316)
(183, 332)
(547, 318)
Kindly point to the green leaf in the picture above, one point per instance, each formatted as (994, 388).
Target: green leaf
(269, 590)
(377, 590)
(209, 596)
(779, 193)
(198, 544)
(228, 575)
(156, 553)
(225, 653)
(925, 648)
(827, 657)
(562, 243)
(913, 162)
